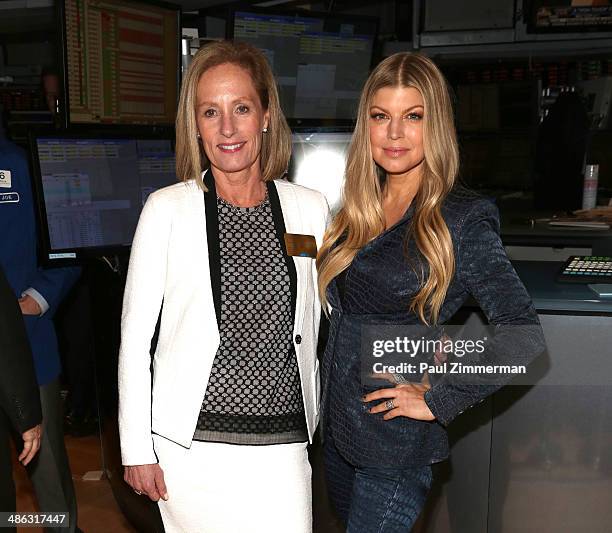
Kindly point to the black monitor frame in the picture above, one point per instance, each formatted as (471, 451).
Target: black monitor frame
(80, 255)
(63, 67)
(310, 124)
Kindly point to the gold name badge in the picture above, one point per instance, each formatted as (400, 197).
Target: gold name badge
(300, 245)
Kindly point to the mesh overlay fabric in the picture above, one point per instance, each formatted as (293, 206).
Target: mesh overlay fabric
(254, 394)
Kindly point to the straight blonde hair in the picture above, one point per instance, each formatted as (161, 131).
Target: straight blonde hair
(191, 159)
(361, 218)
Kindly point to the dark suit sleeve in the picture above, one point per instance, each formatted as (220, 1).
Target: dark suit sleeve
(485, 271)
(19, 395)
(53, 284)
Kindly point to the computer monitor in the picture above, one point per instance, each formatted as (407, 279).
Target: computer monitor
(121, 61)
(90, 189)
(317, 161)
(565, 16)
(320, 61)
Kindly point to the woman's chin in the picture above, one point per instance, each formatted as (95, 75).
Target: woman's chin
(232, 167)
(398, 168)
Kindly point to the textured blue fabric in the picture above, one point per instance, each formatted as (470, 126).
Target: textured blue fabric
(374, 499)
(378, 287)
(19, 261)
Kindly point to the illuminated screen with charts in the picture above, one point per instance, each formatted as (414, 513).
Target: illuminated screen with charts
(320, 63)
(90, 191)
(121, 62)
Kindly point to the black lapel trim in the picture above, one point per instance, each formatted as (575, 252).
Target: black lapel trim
(212, 237)
(279, 226)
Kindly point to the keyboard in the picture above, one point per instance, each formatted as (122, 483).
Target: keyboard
(586, 269)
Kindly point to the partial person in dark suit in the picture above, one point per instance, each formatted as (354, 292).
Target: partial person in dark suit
(19, 399)
(39, 292)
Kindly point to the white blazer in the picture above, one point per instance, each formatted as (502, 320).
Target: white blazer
(169, 262)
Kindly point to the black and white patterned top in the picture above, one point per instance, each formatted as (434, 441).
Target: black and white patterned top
(254, 392)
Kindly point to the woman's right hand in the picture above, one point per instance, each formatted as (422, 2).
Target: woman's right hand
(147, 479)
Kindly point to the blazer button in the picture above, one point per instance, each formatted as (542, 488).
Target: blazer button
(298, 339)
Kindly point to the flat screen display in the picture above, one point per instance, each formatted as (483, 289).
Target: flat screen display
(91, 191)
(320, 63)
(121, 63)
(565, 16)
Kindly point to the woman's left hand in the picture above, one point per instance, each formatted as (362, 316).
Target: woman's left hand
(402, 400)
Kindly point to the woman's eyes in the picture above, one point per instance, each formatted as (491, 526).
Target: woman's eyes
(410, 116)
(240, 110)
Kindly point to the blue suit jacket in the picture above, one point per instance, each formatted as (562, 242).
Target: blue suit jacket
(19, 260)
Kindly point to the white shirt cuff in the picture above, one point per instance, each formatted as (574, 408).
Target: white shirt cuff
(38, 298)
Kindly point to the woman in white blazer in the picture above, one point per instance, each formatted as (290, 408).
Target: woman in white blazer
(216, 428)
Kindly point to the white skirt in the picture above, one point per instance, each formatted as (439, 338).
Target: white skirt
(226, 488)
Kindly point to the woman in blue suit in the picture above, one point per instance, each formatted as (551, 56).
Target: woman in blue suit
(407, 248)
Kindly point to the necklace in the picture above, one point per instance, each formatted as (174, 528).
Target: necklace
(244, 210)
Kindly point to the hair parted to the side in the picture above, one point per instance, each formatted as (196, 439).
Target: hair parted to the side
(361, 218)
(276, 143)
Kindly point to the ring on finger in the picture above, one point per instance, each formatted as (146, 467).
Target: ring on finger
(138, 492)
(389, 404)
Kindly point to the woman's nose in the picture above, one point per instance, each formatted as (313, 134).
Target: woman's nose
(228, 128)
(395, 130)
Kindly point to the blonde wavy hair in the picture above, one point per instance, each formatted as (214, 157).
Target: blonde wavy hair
(276, 143)
(361, 218)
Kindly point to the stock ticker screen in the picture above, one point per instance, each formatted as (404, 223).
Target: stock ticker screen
(320, 63)
(121, 62)
(93, 189)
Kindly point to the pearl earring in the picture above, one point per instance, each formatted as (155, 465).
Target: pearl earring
(198, 136)
(265, 130)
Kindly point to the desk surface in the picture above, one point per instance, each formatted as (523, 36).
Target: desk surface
(550, 295)
(517, 227)
(519, 231)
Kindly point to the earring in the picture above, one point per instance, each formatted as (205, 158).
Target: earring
(198, 136)
(265, 130)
